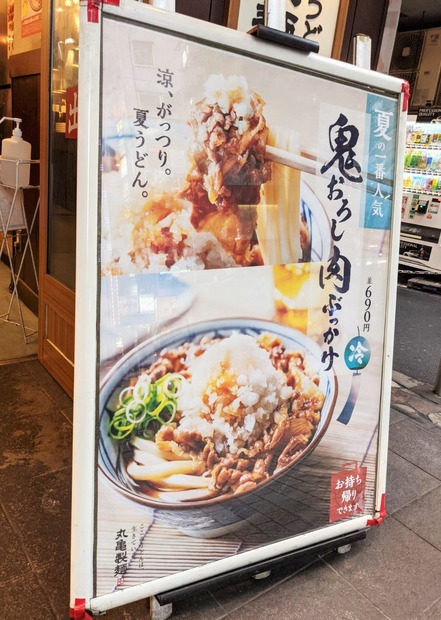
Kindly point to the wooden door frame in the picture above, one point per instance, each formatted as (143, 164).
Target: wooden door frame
(56, 316)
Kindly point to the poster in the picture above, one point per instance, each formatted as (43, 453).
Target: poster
(311, 19)
(10, 28)
(24, 23)
(71, 130)
(31, 17)
(242, 302)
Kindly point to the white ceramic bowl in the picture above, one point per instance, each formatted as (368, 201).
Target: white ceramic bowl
(209, 517)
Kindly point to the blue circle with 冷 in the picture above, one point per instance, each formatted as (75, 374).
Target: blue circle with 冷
(357, 353)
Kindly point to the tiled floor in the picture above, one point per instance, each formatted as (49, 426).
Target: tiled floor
(394, 573)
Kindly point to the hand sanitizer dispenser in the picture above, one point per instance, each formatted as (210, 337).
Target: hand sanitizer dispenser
(14, 149)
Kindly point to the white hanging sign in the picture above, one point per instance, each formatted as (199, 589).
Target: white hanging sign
(311, 19)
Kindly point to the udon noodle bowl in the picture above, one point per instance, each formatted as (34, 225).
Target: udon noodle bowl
(215, 418)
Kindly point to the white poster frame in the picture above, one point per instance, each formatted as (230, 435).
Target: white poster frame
(87, 286)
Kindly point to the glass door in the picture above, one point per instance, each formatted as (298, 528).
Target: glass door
(59, 154)
(62, 142)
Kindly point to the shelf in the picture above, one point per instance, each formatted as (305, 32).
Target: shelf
(418, 190)
(417, 171)
(421, 145)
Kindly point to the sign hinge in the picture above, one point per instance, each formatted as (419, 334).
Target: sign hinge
(405, 89)
(79, 612)
(94, 6)
(381, 515)
(93, 9)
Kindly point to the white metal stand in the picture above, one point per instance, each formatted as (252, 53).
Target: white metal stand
(13, 218)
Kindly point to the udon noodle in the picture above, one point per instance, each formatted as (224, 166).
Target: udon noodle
(216, 417)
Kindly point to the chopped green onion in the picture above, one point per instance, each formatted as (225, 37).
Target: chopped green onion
(146, 406)
(125, 394)
(172, 413)
(141, 389)
(173, 385)
(135, 412)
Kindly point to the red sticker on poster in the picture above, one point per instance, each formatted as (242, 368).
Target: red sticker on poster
(347, 492)
(72, 113)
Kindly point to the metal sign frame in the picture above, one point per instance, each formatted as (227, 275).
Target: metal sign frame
(87, 290)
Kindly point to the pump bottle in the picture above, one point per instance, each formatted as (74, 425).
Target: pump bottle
(15, 148)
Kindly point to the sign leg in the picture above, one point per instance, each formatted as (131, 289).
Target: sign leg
(155, 611)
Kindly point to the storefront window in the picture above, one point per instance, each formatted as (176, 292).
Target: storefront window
(63, 142)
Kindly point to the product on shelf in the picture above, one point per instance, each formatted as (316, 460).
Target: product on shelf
(422, 158)
(420, 239)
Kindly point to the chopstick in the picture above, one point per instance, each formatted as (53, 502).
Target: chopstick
(311, 165)
(292, 160)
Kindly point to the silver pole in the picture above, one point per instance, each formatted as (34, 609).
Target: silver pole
(168, 5)
(362, 51)
(276, 14)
